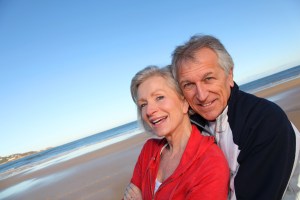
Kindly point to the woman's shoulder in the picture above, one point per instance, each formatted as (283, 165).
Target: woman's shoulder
(154, 143)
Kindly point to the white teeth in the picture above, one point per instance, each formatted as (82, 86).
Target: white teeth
(207, 104)
(157, 120)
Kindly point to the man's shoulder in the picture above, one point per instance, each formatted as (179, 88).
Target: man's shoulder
(245, 109)
(250, 116)
(246, 104)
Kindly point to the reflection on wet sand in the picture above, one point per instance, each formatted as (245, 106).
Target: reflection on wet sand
(36, 182)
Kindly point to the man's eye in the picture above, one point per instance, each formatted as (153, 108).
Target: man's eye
(208, 78)
(188, 86)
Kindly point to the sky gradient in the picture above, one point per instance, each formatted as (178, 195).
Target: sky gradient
(66, 66)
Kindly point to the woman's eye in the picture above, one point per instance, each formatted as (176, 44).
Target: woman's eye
(160, 97)
(142, 105)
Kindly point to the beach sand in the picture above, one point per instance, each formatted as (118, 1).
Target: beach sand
(104, 174)
(287, 96)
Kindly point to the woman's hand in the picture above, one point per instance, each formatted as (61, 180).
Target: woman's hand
(132, 192)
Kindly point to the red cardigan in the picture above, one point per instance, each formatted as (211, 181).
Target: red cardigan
(202, 173)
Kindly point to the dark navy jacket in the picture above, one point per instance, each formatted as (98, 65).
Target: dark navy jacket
(267, 144)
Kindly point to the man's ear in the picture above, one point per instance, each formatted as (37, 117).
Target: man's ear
(230, 78)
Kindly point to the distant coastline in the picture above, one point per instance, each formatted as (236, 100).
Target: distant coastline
(16, 156)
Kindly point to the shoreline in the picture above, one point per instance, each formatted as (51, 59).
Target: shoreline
(95, 169)
(35, 164)
(279, 87)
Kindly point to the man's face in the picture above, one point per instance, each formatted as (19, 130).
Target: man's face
(205, 85)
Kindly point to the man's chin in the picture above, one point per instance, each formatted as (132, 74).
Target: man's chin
(209, 117)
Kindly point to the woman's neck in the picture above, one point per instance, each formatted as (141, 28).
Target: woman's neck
(179, 138)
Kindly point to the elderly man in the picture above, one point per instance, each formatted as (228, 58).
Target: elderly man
(258, 140)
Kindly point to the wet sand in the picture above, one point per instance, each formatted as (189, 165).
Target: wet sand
(103, 174)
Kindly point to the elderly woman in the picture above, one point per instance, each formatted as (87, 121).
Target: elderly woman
(181, 163)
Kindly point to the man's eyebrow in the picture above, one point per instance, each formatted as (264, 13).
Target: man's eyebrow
(207, 74)
(184, 81)
(202, 77)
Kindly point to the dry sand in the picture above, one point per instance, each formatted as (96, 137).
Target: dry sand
(287, 96)
(103, 174)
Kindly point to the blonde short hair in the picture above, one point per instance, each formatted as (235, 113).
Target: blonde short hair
(147, 73)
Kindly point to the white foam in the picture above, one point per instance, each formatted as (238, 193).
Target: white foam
(68, 155)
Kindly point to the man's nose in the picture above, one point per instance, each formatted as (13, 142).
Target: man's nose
(201, 92)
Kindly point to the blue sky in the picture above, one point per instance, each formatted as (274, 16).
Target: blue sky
(66, 66)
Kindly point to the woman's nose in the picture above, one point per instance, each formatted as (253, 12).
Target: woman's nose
(150, 109)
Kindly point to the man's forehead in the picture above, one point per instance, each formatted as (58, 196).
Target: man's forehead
(191, 68)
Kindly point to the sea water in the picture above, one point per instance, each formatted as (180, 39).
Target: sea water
(68, 151)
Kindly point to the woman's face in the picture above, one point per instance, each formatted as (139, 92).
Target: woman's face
(160, 106)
